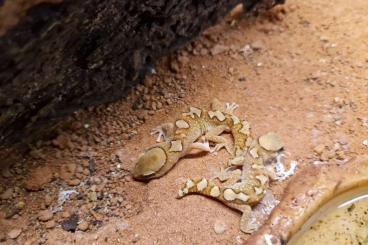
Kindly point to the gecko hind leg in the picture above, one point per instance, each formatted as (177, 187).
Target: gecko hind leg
(228, 175)
(245, 225)
(221, 142)
(164, 131)
(213, 136)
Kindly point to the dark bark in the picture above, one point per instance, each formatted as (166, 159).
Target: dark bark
(64, 57)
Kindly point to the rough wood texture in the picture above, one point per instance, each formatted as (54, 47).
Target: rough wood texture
(63, 57)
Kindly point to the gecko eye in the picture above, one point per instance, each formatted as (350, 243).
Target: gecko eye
(149, 163)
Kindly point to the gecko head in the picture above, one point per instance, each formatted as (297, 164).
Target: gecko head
(149, 163)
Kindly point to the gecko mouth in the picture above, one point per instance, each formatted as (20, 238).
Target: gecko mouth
(149, 163)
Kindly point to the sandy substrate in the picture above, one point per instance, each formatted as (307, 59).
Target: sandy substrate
(300, 71)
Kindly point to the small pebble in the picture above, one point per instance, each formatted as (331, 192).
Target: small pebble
(95, 180)
(48, 200)
(326, 155)
(11, 211)
(73, 182)
(65, 214)
(20, 205)
(319, 149)
(343, 140)
(340, 155)
(135, 238)
(218, 49)
(2, 236)
(71, 223)
(13, 234)
(50, 224)
(242, 78)
(325, 40)
(45, 215)
(92, 196)
(8, 194)
(219, 227)
(256, 46)
(83, 226)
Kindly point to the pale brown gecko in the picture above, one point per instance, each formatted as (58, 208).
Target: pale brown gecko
(242, 192)
(182, 137)
(243, 189)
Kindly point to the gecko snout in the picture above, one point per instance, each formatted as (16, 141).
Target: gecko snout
(149, 163)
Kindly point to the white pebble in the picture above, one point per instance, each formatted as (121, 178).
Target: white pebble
(219, 227)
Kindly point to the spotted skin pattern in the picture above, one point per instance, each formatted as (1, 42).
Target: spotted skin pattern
(242, 189)
(192, 130)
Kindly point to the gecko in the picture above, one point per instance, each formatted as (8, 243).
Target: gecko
(244, 188)
(192, 130)
(247, 177)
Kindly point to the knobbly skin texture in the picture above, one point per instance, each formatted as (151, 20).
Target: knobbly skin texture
(243, 189)
(193, 130)
(239, 193)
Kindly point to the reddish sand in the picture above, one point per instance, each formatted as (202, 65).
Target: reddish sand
(304, 76)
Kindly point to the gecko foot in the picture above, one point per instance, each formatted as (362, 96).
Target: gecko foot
(219, 146)
(163, 131)
(231, 107)
(160, 133)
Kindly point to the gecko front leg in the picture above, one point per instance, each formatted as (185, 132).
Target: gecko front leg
(231, 107)
(221, 142)
(202, 146)
(228, 175)
(164, 131)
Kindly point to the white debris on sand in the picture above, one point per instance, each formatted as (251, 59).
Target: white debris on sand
(268, 203)
(281, 173)
(268, 238)
(317, 162)
(62, 198)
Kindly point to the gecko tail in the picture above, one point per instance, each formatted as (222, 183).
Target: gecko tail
(202, 187)
(229, 195)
